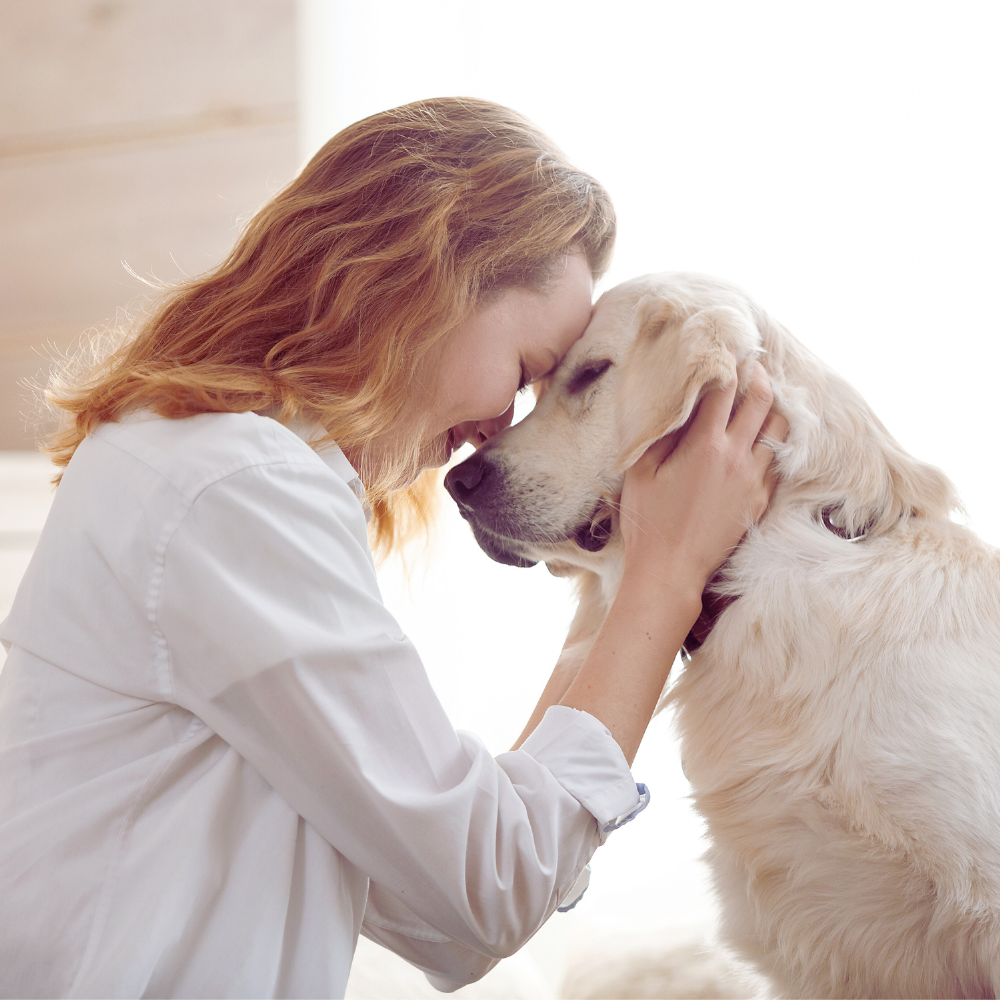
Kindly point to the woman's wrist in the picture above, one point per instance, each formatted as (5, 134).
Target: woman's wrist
(663, 593)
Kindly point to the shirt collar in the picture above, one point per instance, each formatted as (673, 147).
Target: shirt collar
(334, 458)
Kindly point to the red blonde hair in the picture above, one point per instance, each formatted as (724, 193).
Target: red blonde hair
(391, 235)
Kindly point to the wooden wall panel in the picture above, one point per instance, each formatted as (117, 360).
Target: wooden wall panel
(141, 131)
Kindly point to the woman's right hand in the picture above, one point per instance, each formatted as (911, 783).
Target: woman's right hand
(686, 504)
(684, 509)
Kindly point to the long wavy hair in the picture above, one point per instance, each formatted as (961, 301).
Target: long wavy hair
(392, 234)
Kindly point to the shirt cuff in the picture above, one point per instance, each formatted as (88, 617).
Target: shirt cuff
(584, 758)
(575, 894)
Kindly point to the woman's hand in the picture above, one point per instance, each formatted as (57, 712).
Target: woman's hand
(686, 504)
(683, 511)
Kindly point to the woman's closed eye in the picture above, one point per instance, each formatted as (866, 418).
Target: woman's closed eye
(528, 379)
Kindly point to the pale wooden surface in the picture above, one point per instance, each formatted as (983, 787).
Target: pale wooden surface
(142, 131)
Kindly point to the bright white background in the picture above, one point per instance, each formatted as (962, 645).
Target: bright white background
(840, 162)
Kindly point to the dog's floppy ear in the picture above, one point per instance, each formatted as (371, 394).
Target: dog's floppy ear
(676, 357)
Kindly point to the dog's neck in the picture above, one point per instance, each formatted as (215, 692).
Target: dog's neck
(713, 604)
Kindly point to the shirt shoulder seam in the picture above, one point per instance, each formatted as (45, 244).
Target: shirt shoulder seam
(217, 475)
(171, 527)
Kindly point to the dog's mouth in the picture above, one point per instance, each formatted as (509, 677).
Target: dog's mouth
(591, 535)
(595, 532)
(493, 546)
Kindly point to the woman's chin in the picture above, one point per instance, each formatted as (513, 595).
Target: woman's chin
(434, 454)
(438, 451)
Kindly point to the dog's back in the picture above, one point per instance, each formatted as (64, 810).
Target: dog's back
(841, 723)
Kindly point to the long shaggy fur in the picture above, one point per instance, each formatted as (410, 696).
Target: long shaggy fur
(841, 724)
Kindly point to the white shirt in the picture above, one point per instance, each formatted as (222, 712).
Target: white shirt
(221, 759)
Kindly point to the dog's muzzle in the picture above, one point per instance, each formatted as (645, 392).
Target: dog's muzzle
(505, 517)
(466, 480)
(476, 487)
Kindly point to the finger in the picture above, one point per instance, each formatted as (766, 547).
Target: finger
(714, 410)
(656, 454)
(763, 455)
(771, 478)
(774, 428)
(773, 431)
(753, 409)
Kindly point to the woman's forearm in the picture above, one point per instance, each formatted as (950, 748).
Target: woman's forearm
(560, 679)
(621, 679)
(622, 676)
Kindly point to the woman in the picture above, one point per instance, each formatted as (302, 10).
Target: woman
(220, 760)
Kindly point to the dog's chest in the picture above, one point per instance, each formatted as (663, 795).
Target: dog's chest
(837, 661)
(769, 691)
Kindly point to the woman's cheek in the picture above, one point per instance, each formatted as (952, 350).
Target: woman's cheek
(486, 399)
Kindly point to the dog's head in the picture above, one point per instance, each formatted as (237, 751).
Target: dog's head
(547, 488)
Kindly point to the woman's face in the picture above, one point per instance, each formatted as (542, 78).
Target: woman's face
(464, 390)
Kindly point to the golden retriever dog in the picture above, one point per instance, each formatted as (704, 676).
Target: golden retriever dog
(839, 709)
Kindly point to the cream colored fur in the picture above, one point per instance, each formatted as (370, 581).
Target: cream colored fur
(841, 724)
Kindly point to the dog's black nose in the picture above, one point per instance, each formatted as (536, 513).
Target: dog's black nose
(465, 479)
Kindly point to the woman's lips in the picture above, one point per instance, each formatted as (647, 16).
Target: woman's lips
(455, 440)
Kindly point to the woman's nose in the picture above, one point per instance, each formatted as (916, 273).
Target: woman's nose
(487, 428)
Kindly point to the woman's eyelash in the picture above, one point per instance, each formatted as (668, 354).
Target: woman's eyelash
(523, 384)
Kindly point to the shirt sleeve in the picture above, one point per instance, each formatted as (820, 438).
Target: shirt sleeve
(271, 630)
(446, 963)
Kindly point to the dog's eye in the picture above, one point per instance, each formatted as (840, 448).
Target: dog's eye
(585, 377)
